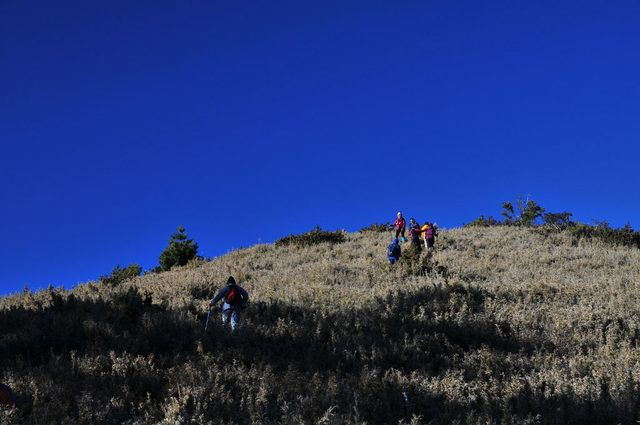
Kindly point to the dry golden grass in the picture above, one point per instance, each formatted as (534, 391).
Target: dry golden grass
(498, 325)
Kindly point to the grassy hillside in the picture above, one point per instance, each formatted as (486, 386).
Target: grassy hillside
(499, 325)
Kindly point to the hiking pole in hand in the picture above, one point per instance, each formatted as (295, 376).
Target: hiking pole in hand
(207, 324)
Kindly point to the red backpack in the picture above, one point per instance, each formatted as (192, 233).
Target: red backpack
(234, 297)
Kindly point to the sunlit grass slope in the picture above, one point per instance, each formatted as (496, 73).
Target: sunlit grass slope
(499, 325)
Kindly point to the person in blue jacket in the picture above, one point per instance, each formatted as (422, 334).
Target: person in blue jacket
(7, 397)
(235, 300)
(394, 252)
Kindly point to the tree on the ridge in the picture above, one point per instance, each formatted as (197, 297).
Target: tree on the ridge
(526, 212)
(179, 251)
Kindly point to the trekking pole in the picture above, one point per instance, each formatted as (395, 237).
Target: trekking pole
(207, 324)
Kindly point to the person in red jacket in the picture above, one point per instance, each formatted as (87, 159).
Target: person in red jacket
(400, 224)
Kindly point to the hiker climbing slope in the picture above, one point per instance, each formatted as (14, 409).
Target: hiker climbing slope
(235, 299)
(394, 252)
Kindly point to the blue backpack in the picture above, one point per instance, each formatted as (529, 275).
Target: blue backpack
(394, 250)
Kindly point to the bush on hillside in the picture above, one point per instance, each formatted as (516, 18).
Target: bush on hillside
(378, 228)
(312, 237)
(558, 221)
(156, 269)
(179, 251)
(625, 236)
(119, 275)
(527, 212)
(483, 222)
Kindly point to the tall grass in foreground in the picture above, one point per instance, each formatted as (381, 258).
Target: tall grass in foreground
(499, 325)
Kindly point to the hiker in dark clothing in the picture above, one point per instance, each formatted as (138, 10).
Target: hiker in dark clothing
(414, 233)
(394, 252)
(7, 397)
(235, 299)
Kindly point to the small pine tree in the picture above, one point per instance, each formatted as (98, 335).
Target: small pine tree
(179, 251)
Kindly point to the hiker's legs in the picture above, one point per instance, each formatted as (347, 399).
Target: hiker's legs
(429, 243)
(392, 260)
(225, 316)
(235, 319)
(233, 315)
(426, 243)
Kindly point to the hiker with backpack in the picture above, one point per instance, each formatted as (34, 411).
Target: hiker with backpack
(430, 235)
(235, 300)
(394, 252)
(424, 228)
(7, 397)
(399, 224)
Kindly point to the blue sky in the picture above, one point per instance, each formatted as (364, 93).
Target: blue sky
(248, 121)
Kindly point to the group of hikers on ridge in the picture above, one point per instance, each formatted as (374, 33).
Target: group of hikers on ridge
(428, 231)
(236, 298)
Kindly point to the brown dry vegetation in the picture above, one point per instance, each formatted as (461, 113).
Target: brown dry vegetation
(499, 325)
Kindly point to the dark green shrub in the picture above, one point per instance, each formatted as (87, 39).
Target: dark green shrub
(625, 236)
(558, 221)
(156, 269)
(483, 222)
(179, 251)
(312, 237)
(119, 275)
(380, 228)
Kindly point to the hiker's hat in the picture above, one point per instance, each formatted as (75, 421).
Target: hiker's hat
(231, 280)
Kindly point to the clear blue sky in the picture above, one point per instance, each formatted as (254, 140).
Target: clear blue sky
(248, 121)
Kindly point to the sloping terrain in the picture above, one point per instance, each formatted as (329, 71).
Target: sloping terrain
(498, 324)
